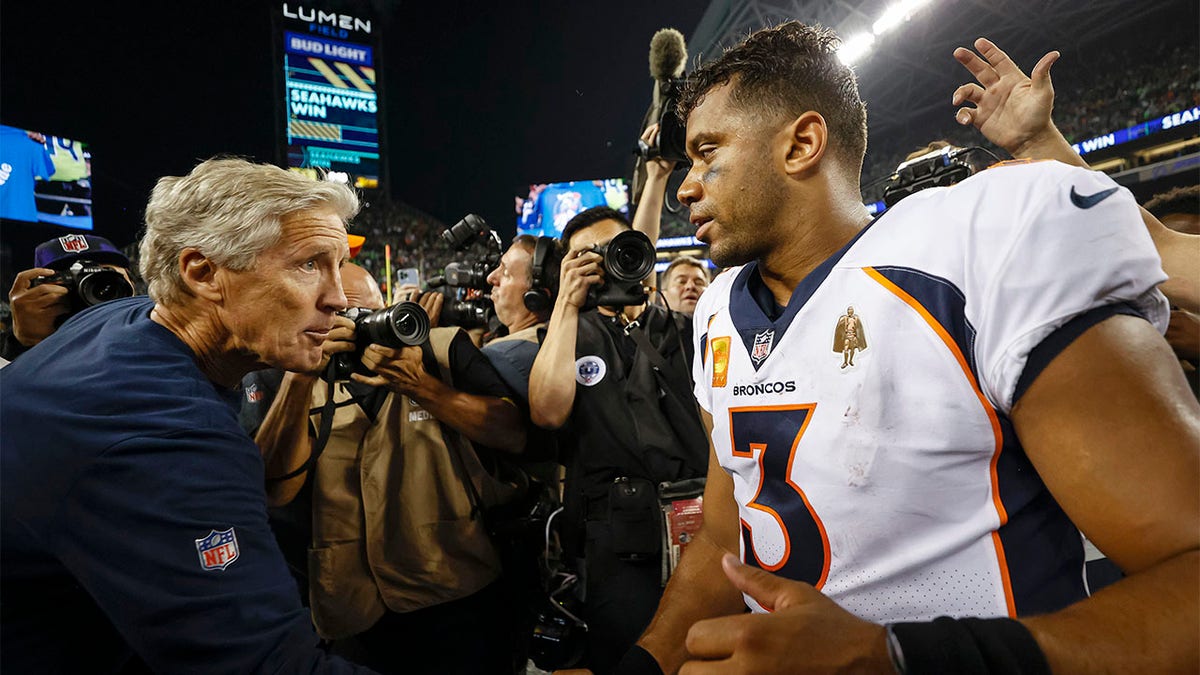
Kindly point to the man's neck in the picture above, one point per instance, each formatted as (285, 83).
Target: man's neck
(812, 240)
(200, 331)
(522, 323)
(632, 312)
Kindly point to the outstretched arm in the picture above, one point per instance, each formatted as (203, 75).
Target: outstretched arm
(648, 217)
(1013, 111)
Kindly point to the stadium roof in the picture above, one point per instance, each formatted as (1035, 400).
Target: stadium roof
(909, 71)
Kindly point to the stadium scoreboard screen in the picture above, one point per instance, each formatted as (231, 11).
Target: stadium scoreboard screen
(330, 76)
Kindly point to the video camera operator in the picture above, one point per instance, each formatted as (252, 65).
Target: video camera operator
(49, 293)
(400, 558)
(618, 378)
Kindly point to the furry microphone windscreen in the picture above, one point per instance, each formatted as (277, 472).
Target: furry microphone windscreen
(668, 54)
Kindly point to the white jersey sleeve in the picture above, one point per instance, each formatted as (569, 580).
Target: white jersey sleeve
(1070, 241)
(715, 299)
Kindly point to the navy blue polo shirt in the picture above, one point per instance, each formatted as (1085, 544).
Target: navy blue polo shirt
(132, 512)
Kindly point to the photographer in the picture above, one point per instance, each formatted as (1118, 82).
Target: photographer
(618, 377)
(400, 558)
(43, 297)
(512, 281)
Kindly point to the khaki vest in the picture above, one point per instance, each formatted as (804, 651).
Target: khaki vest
(392, 524)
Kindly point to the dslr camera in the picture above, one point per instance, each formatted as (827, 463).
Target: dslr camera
(404, 324)
(474, 310)
(89, 284)
(628, 259)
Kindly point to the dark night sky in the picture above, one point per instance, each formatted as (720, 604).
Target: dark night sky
(480, 98)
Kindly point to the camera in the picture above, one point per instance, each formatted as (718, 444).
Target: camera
(404, 324)
(466, 306)
(628, 259)
(472, 313)
(940, 168)
(89, 285)
(672, 132)
(469, 274)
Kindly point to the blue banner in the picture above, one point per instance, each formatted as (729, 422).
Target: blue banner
(1135, 132)
(346, 52)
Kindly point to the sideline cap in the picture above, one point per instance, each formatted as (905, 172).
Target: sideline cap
(60, 253)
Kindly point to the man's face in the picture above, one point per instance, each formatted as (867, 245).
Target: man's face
(732, 189)
(600, 232)
(281, 309)
(509, 283)
(682, 288)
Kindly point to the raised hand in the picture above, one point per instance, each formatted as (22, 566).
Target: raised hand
(1011, 109)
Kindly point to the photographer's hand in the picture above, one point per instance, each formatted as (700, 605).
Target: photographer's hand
(431, 302)
(340, 339)
(580, 270)
(34, 310)
(400, 370)
(657, 169)
(647, 219)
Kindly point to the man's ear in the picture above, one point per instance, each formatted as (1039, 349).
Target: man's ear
(807, 140)
(199, 275)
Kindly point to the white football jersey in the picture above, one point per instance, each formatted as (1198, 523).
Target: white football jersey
(866, 429)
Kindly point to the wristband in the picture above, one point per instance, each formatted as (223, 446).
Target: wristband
(637, 661)
(968, 646)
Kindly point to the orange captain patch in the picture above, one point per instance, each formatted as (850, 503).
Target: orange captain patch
(720, 360)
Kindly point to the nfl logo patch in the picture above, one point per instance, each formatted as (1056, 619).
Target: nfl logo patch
(217, 550)
(762, 345)
(589, 370)
(73, 243)
(254, 394)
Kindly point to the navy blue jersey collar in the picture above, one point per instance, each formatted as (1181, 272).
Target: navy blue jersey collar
(751, 318)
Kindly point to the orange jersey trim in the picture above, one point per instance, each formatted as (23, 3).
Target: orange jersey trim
(940, 331)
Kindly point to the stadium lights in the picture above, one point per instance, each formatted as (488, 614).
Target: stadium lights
(858, 46)
(855, 48)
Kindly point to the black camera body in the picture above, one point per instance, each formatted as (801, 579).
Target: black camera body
(672, 132)
(89, 284)
(404, 324)
(464, 309)
(628, 259)
(940, 168)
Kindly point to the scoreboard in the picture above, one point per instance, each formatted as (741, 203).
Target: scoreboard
(331, 101)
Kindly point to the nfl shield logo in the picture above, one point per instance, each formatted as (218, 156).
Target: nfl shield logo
(217, 550)
(589, 370)
(73, 243)
(762, 345)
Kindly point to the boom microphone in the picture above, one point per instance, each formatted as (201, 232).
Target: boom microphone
(668, 54)
(668, 57)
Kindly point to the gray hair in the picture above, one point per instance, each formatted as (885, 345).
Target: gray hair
(230, 210)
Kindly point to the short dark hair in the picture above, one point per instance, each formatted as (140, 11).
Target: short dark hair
(1179, 200)
(589, 217)
(790, 68)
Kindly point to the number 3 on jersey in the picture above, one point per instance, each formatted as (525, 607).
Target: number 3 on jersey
(771, 435)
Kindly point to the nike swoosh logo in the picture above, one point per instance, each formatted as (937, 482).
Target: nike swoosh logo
(1088, 201)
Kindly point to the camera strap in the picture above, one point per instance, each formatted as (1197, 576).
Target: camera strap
(324, 428)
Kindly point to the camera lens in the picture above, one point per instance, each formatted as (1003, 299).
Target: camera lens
(629, 256)
(401, 325)
(103, 285)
